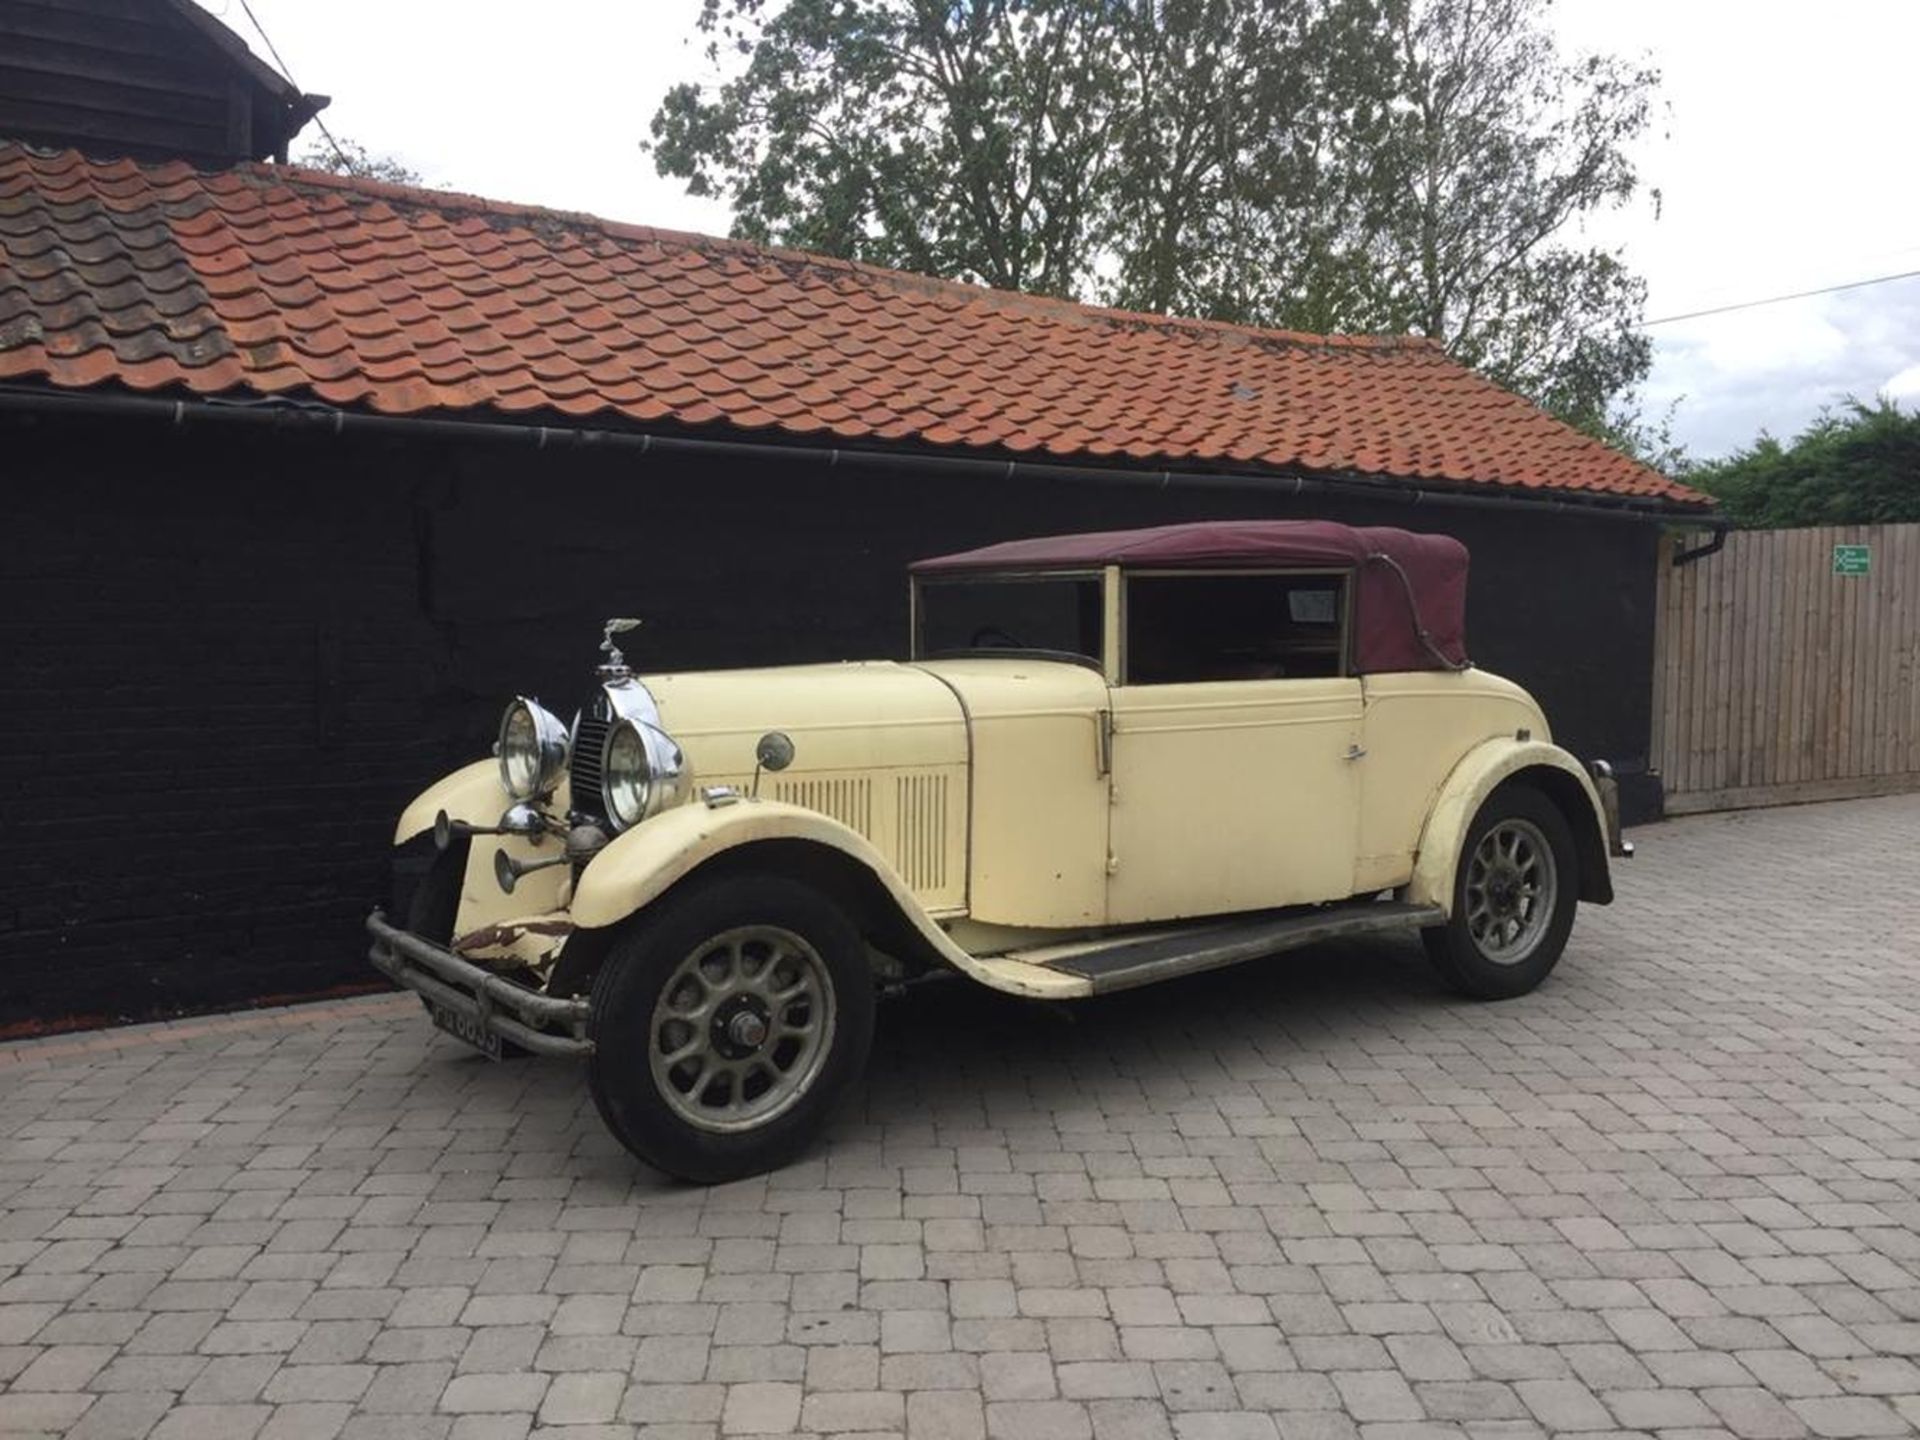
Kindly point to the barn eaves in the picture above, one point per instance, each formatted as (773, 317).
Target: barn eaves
(344, 303)
(326, 420)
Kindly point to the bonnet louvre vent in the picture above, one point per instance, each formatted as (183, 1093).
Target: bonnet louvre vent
(921, 802)
(848, 800)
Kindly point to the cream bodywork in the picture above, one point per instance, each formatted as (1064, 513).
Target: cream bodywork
(1465, 790)
(978, 782)
(1232, 795)
(648, 860)
(878, 746)
(1022, 805)
(1417, 727)
(1037, 853)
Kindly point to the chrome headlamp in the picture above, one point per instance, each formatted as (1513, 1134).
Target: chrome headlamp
(532, 749)
(643, 772)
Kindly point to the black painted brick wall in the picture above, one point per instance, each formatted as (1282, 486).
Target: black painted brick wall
(230, 657)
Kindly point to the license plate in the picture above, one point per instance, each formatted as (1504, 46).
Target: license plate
(465, 1027)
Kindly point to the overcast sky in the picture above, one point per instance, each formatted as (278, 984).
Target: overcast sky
(1783, 151)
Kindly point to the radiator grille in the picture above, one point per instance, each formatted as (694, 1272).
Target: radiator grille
(848, 799)
(921, 806)
(583, 765)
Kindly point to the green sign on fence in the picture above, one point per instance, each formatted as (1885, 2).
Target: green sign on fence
(1853, 559)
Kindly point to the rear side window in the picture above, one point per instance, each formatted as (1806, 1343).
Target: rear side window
(1197, 627)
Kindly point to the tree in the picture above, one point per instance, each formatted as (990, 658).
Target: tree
(1859, 465)
(1648, 438)
(958, 140)
(1497, 147)
(344, 156)
(1123, 150)
(1311, 164)
(1240, 138)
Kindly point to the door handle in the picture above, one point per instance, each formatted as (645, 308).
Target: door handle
(1354, 752)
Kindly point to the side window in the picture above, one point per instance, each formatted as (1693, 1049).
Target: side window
(1033, 614)
(1195, 627)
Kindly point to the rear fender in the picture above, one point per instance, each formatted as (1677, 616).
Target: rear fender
(1485, 769)
(648, 862)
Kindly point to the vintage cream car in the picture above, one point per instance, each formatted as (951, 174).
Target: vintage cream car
(1112, 759)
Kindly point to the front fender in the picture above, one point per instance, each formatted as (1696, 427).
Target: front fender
(1483, 769)
(643, 865)
(472, 793)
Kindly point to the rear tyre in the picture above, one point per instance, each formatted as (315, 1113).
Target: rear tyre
(727, 1024)
(1513, 898)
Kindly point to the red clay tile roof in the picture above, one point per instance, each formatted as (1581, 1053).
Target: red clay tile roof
(268, 280)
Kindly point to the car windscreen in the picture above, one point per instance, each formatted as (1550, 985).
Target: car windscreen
(1033, 614)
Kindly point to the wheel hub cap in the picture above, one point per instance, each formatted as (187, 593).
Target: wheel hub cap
(747, 1029)
(1503, 891)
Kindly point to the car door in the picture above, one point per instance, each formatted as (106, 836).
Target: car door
(1235, 737)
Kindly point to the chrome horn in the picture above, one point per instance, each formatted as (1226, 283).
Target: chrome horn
(508, 870)
(521, 819)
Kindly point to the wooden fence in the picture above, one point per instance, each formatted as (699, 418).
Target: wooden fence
(1782, 674)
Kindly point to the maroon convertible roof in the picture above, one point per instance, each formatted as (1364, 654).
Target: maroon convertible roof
(1410, 596)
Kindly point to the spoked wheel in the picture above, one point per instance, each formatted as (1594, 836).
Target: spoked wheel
(727, 1024)
(1513, 899)
(741, 1028)
(1510, 890)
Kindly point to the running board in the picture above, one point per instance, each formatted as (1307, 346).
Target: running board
(1122, 962)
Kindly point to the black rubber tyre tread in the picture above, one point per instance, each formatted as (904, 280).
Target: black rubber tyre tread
(435, 901)
(433, 908)
(628, 984)
(1450, 946)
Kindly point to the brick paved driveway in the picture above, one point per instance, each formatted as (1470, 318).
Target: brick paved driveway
(1676, 1191)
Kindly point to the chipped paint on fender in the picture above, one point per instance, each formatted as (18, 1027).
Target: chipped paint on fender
(533, 942)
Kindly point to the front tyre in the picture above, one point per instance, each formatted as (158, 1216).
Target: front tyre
(1513, 898)
(726, 1025)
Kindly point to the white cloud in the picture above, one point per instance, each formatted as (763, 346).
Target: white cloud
(1773, 154)
(1905, 386)
(545, 105)
(1764, 342)
(1795, 370)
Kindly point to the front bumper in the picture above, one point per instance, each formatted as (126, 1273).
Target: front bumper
(1618, 845)
(544, 1024)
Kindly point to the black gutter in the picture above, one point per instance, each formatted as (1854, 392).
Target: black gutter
(331, 419)
(1719, 525)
